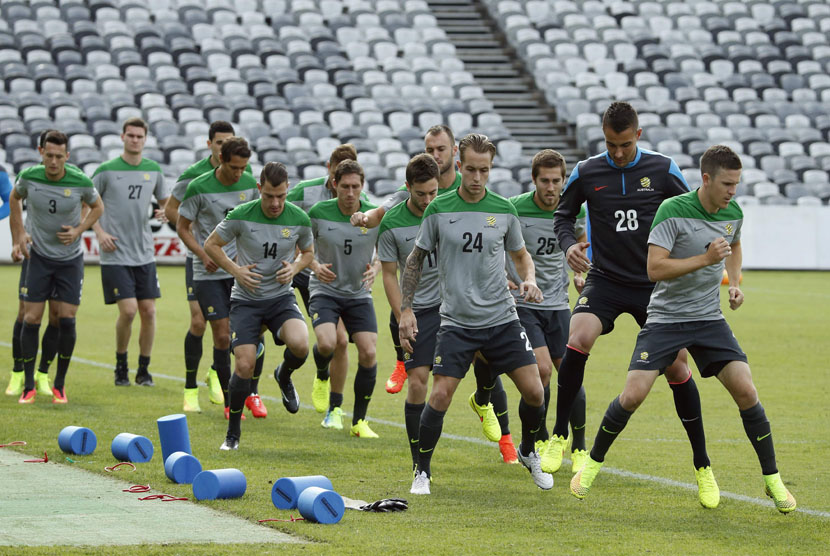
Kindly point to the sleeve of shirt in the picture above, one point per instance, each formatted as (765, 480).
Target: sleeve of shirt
(190, 207)
(394, 199)
(90, 195)
(179, 189)
(737, 237)
(428, 232)
(100, 182)
(228, 229)
(315, 228)
(676, 183)
(305, 239)
(22, 187)
(664, 234)
(513, 240)
(387, 247)
(569, 206)
(161, 188)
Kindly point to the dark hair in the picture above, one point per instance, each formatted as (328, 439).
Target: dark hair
(442, 128)
(348, 167)
(235, 146)
(719, 157)
(346, 151)
(219, 126)
(42, 139)
(135, 122)
(274, 173)
(620, 116)
(479, 143)
(547, 158)
(55, 137)
(421, 168)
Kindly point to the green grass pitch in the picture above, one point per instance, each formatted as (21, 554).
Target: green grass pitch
(478, 503)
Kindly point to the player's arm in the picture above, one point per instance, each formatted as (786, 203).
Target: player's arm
(369, 219)
(19, 239)
(160, 214)
(371, 272)
(70, 234)
(662, 267)
(186, 235)
(244, 275)
(171, 209)
(733, 271)
(527, 272)
(564, 224)
(411, 275)
(391, 286)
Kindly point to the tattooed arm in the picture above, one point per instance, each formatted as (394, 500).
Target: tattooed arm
(408, 325)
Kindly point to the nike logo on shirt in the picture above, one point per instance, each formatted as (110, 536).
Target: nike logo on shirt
(454, 221)
(600, 187)
(409, 238)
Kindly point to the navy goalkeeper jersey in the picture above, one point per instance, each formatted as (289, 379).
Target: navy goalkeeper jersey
(621, 204)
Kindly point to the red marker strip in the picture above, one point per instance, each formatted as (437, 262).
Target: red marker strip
(137, 489)
(117, 465)
(162, 497)
(44, 459)
(15, 443)
(291, 518)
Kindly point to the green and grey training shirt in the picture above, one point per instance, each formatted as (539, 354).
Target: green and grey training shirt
(402, 194)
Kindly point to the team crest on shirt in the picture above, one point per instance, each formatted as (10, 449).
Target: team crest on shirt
(146, 177)
(364, 230)
(67, 192)
(285, 233)
(491, 222)
(729, 229)
(242, 196)
(645, 184)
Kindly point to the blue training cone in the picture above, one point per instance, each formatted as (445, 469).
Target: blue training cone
(286, 491)
(321, 505)
(132, 447)
(173, 435)
(182, 468)
(219, 483)
(77, 440)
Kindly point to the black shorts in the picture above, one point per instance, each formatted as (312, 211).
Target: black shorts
(124, 282)
(546, 328)
(505, 347)
(607, 300)
(188, 279)
(214, 297)
(300, 282)
(429, 321)
(248, 318)
(711, 344)
(50, 279)
(358, 314)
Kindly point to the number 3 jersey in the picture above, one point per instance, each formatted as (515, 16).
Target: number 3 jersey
(622, 203)
(127, 192)
(471, 239)
(206, 203)
(265, 242)
(348, 249)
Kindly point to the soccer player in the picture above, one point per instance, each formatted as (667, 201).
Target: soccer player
(305, 195)
(208, 199)
(623, 188)
(128, 268)
(693, 236)
(55, 194)
(340, 288)
(396, 237)
(266, 231)
(439, 143)
(219, 132)
(472, 228)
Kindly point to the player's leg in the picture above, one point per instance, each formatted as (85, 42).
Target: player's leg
(395, 382)
(220, 330)
(49, 342)
(214, 300)
(339, 365)
(15, 386)
(416, 395)
(32, 316)
(432, 422)
(323, 351)
(193, 349)
(254, 403)
(487, 382)
(687, 405)
(147, 291)
(364, 381)
(531, 413)
(66, 345)
(239, 386)
(290, 329)
(127, 310)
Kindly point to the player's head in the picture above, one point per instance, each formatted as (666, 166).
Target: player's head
(476, 153)
(720, 167)
(548, 172)
(273, 188)
(42, 139)
(134, 135)
(621, 128)
(346, 151)
(348, 184)
(439, 142)
(234, 157)
(422, 181)
(54, 154)
(218, 133)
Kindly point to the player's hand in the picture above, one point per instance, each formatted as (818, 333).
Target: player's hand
(359, 219)
(19, 251)
(286, 273)
(530, 292)
(736, 297)
(407, 330)
(579, 282)
(247, 278)
(577, 257)
(369, 277)
(511, 285)
(107, 241)
(69, 234)
(718, 250)
(324, 273)
(160, 216)
(210, 266)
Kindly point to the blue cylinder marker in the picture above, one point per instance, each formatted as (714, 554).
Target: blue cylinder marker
(321, 505)
(219, 483)
(77, 440)
(182, 468)
(132, 447)
(286, 491)
(173, 435)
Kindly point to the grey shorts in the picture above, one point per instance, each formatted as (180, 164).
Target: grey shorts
(429, 321)
(123, 282)
(50, 279)
(711, 344)
(546, 328)
(358, 314)
(249, 317)
(214, 297)
(506, 347)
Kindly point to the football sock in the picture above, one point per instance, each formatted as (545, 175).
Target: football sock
(260, 360)
(531, 418)
(543, 430)
(322, 363)
(412, 418)
(396, 339)
(143, 363)
(570, 376)
(364, 385)
(335, 400)
(614, 421)
(17, 351)
(499, 398)
(238, 390)
(192, 356)
(578, 421)
(290, 363)
(28, 345)
(687, 404)
(484, 381)
(121, 360)
(222, 366)
(758, 431)
(66, 345)
(432, 421)
(48, 347)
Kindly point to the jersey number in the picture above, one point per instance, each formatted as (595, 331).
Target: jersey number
(270, 250)
(347, 246)
(528, 347)
(431, 257)
(626, 220)
(473, 243)
(546, 245)
(53, 206)
(135, 191)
